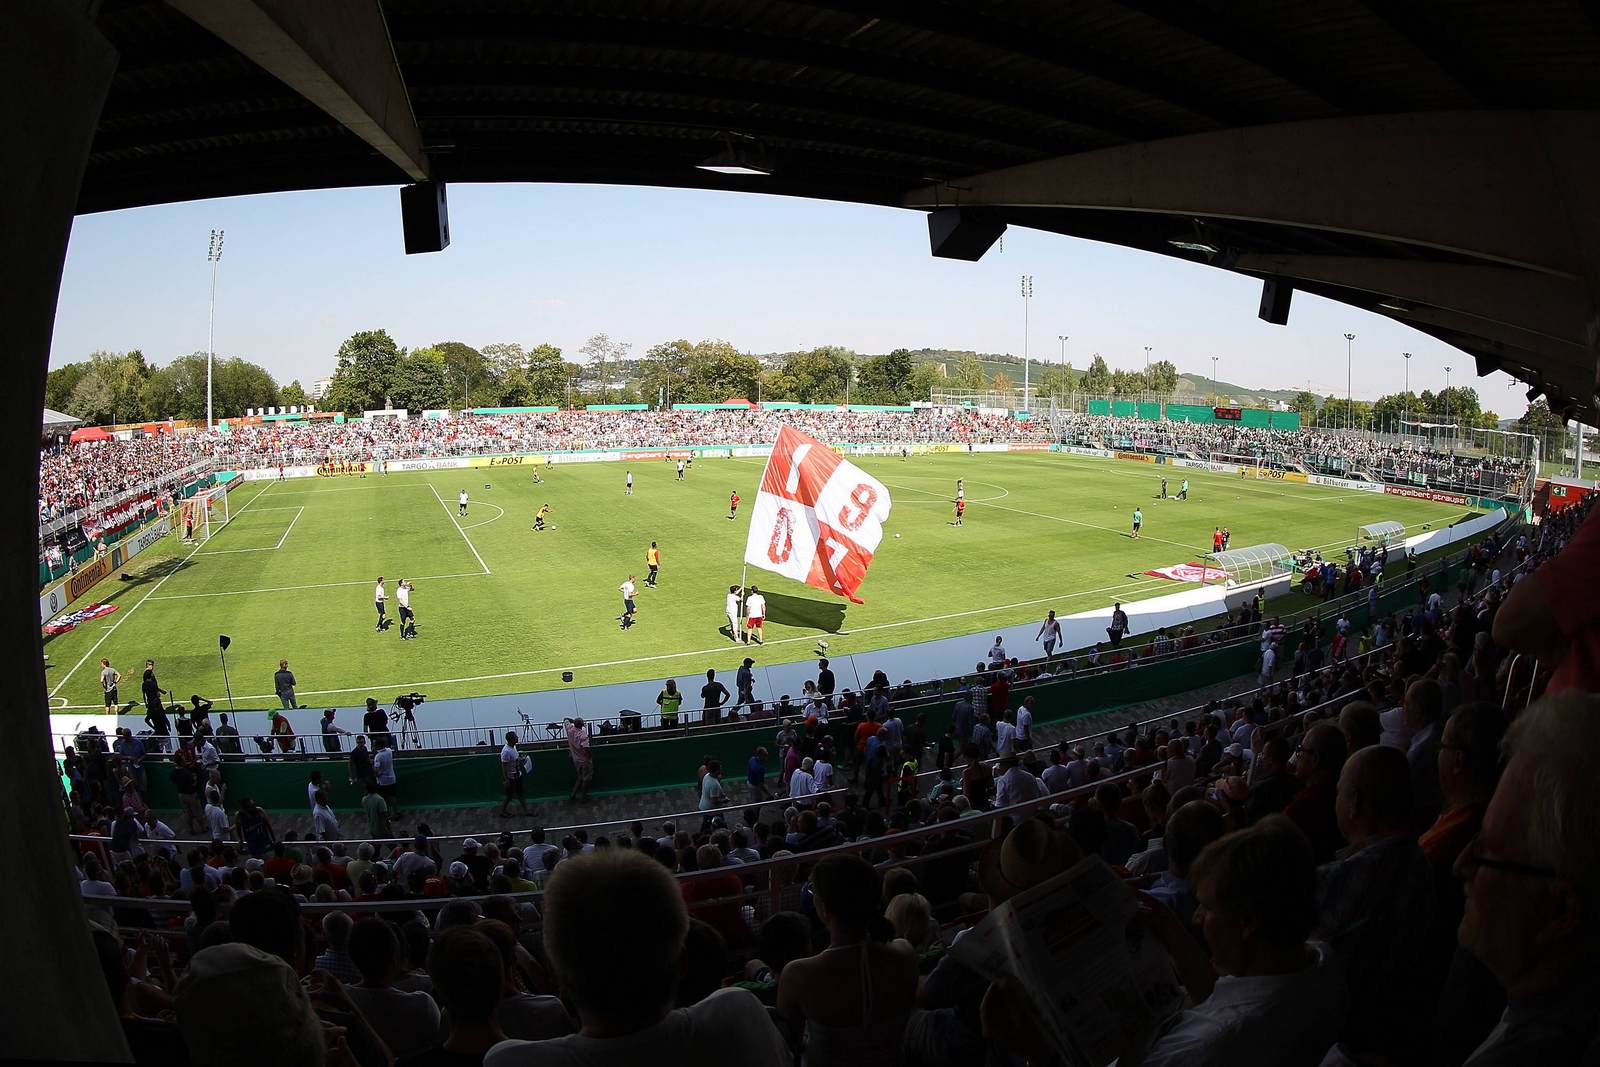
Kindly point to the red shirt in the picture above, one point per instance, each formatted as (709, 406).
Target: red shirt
(999, 696)
(733, 500)
(724, 916)
(1565, 587)
(863, 731)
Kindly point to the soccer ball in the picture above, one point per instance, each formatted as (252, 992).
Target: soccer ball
(897, 536)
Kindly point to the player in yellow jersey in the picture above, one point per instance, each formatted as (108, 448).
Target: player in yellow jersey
(652, 559)
(539, 517)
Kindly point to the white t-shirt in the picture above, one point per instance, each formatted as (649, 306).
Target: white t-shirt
(627, 589)
(1015, 786)
(733, 605)
(216, 822)
(407, 1022)
(1052, 631)
(680, 466)
(311, 795)
(712, 795)
(729, 1026)
(463, 496)
(1056, 778)
(822, 773)
(1024, 722)
(325, 823)
(756, 608)
(402, 593)
(378, 594)
(630, 477)
(1005, 738)
(510, 758)
(1289, 1018)
(802, 783)
(997, 655)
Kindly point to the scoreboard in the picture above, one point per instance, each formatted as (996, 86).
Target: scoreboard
(1230, 414)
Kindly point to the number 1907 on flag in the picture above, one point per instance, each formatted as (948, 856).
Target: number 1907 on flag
(817, 518)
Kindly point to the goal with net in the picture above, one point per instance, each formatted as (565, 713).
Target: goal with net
(203, 515)
(1243, 466)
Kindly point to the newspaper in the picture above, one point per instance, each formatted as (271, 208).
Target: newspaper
(1098, 981)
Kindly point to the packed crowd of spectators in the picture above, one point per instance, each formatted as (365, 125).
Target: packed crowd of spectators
(1323, 451)
(1371, 862)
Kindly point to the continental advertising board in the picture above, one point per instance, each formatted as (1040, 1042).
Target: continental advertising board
(1137, 457)
(87, 576)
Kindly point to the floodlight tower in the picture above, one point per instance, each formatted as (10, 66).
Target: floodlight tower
(1027, 297)
(214, 256)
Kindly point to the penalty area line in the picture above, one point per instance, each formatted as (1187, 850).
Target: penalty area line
(459, 530)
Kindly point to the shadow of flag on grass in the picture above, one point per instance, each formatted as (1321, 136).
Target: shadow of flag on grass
(824, 615)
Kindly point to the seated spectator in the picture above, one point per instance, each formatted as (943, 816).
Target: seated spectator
(1191, 828)
(1552, 617)
(854, 997)
(1122, 839)
(912, 919)
(467, 978)
(1375, 907)
(1265, 995)
(1180, 766)
(1358, 721)
(407, 1022)
(1321, 758)
(1533, 886)
(1272, 787)
(1469, 767)
(151, 1040)
(783, 938)
(336, 927)
(626, 1012)
(523, 1015)
(1424, 706)
(705, 964)
(243, 1006)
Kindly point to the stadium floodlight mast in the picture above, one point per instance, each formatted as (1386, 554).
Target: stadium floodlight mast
(1027, 297)
(1349, 402)
(1408, 397)
(1447, 411)
(213, 256)
(1216, 387)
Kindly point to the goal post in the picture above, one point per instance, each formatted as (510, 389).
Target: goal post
(1227, 463)
(204, 515)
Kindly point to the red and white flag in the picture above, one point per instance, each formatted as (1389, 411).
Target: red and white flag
(818, 518)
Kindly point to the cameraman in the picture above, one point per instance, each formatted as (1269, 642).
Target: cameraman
(375, 723)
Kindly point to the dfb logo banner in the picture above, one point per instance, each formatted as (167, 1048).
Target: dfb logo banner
(817, 518)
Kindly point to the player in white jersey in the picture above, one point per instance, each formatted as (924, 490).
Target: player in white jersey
(379, 598)
(627, 483)
(680, 470)
(961, 489)
(408, 618)
(755, 608)
(461, 499)
(733, 612)
(627, 589)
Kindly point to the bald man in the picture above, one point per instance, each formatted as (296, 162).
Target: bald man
(1375, 906)
(1317, 766)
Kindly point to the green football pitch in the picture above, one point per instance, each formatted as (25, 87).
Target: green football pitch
(502, 609)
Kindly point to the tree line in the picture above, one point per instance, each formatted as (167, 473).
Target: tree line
(1458, 405)
(117, 387)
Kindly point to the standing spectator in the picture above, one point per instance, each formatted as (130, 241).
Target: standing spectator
(283, 684)
(578, 747)
(186, 781)
(745, 682)
(155, 715)
(227, 737)
(712, 795)
(855, 996)
(669, 700)
(1424, 704)
(360, 762)
(825, 682)
(383, 774)
(626, 1012)
(324, 823)
(330, 733)
(110, 678)
(714, 694)
(1024, 722)
(511, 777)
(216, 818)
(1533, 884)
(253, 828)
(756, 775)
(282, 732)
(377, 812)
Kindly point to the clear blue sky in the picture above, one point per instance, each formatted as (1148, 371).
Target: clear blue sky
(533, 263)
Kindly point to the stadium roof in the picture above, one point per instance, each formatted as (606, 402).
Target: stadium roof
(1434, 160)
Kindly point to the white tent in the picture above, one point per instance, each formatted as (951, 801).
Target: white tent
(57, 420)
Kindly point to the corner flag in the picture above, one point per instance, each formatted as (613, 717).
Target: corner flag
(818, 518)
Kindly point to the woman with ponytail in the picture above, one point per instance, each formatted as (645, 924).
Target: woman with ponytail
(853, 998)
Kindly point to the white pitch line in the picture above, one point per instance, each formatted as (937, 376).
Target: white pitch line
(297, 509)
(318, 585)
(1054, 518)
(485, 522)
(805, 639)
(129, 613)
(459, 530)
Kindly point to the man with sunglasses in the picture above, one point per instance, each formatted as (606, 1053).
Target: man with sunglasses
(1533, 888)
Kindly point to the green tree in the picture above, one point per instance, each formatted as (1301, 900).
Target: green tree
(925, 378)
(1305, 403)
(967, 377)
(294, 394)
(420, 381)
(474, 379)
(1335, 411)
(1000, 383)
(364, 373)
(548, 375)
(59, 384)
(664, 373)
(1097, 379)
(1162, 378)
(820, 376)
(886, 379)
(717, 372)
(1128, 383)
(159, 399)
(239, 385)
(92, 400)
(601, 354)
